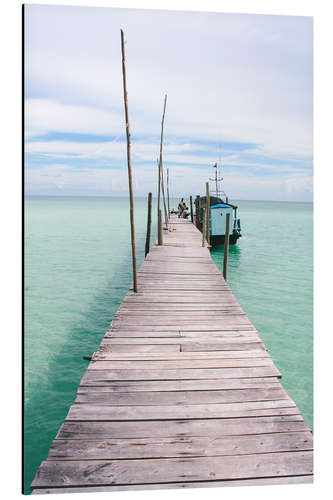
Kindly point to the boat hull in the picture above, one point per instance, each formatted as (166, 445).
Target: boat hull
(216, 240)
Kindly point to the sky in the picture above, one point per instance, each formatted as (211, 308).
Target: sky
(239, 92)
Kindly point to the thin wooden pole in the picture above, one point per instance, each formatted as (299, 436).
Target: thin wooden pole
(168, 192)
(129, 167)
(160, 237)
(148, 224)
(159, 220)
(191, 207)
(207, 213)
(197, 211)
(158, 189)
(226, 246)
(204, 227)
(163, 194)
(160, 163)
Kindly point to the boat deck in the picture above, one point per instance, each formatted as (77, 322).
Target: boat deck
(181, 392)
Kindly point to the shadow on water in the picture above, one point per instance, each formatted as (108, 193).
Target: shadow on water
(234, 258)
(44, 413)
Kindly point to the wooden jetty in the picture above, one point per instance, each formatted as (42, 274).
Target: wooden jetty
(181, 392)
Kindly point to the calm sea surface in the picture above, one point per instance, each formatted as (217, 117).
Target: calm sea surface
(78, 269)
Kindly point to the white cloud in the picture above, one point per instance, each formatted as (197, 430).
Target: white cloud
(184, 180)
(228, 77)
(46, 115)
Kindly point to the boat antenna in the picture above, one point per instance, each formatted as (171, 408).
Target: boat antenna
(216, 179)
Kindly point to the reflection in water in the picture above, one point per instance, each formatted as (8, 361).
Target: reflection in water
(234, 258)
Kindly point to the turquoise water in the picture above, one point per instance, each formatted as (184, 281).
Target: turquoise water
(270, 272)
(78, 269)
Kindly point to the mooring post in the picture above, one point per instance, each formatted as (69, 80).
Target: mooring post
(207, 213)
(158, 189)
(148, 224)
(204, 227)
(226, 246)
(129, 167)
(164, 204)
(191, 207)
(168, 192)
(197, 211)
(159, 229)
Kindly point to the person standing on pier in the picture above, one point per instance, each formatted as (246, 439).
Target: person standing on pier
(181, 208)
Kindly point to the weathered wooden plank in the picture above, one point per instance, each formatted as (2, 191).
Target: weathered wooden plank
(232, 321)
(146, 276)
(152, 308)
(177, 385)
(182, 428)
(223, 410)
(76, 473)
(206, 346)
(179, 364)
(181, 270)
(180, 397)
(229, 314)
(195, 327)
(122, 321)
(183, 279)
(201, 484)
(121, 344)
(105, 352)
(204, 336)
(98, 377)
(110, 449)
(144, 348)
(180, 329)
(219, 340)
(236, 341)
(143, 334)
(174, 298)
(179, 287)
(175, 258)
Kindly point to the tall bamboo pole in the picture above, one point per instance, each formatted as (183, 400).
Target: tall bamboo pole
(129, 167)
(226, 246)
(204, 227)
(197, 210)
(207, 213)
(160, 236)
(163, 194)
(148, 224)
(158, 190)
(159, 219)
(168, 192)
(160, 164)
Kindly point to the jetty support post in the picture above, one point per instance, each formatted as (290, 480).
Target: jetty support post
(168, 192)
(197, 211)
(129, 166)
(207, 214)
(191, 206)
(226, 247)
(204, 227)
(164, 203)
(159, 229)
(159, 219)
(148, 224)
(158, 190)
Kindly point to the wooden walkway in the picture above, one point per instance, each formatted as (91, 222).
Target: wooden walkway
(181, 392)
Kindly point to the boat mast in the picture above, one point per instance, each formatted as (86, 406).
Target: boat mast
(216, 179)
